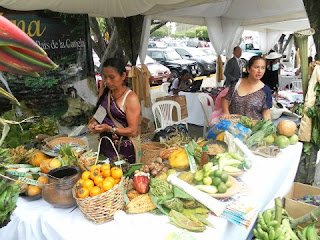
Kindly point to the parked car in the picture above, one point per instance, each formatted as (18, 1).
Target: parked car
(206, 63)
(159, 72)
(171, 59)
(249, 47)
(156, 44)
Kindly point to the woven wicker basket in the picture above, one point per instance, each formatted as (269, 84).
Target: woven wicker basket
(86, 160)
(150, 151)
(102, 207)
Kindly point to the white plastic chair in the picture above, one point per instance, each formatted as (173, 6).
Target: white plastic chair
(207, 106)
(165, 87)
(162, 113)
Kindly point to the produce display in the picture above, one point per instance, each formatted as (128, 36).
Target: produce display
(277, 224)
(205, 165)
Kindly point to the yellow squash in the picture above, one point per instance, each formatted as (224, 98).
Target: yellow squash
(179, 159)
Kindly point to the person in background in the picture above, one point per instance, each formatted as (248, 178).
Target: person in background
(271, 76)
(118, 113)
(181, 84)
(233, 69)
(250, 96)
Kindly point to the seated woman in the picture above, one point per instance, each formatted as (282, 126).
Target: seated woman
(118, 113)
(250, 96)
(181, 84)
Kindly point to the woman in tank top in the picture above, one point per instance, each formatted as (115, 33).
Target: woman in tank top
(121, 108)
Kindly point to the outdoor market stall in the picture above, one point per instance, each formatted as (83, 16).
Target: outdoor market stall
(268, 178)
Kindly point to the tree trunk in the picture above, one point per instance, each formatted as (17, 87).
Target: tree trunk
(313, 8)
(98, 46)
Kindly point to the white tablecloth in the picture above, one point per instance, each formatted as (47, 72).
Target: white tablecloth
(195, 113)
(37, 220)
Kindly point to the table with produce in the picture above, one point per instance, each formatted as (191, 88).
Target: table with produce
(214, 188)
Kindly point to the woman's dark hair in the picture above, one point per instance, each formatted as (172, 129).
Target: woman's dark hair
(253, 59)
(118, 64)
(251, 62)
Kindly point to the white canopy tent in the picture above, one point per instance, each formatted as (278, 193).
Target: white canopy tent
(225, 19)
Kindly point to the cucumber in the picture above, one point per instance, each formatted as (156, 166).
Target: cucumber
(207, 188)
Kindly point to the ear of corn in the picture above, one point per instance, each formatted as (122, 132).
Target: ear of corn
(140, 204)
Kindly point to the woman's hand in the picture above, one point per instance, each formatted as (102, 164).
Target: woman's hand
(225, 116)
(91, 126)
(100, 128)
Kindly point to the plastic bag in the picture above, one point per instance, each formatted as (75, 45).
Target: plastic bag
(236, 129)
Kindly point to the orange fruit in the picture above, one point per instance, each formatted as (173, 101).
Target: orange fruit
(43, 180)
(54, 163)
(80, 182)
(106, 173)
(94, 167)
(44, 165)
(116, 181)
(33, 190)
(94, 173)
(98, 180)
(88, 183)
(85, 175)
(105, 167)
(110, 179)
(116, 172)
(95, 191)
(107, 185)
(82, 192)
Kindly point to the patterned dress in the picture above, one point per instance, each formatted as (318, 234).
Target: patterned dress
(251, 105)
(123, 144)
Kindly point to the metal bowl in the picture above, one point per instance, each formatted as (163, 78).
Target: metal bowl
(58, 191)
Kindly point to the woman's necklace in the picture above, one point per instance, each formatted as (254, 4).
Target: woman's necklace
(116, 98)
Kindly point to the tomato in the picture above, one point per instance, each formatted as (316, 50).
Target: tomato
(82, 192)
(98, 180)
(105, 167)
(116, 172)
(85, 175)
(107, 185)
(88, 183)
(95, 191)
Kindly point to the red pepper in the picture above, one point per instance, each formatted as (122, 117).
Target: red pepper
(141, 183)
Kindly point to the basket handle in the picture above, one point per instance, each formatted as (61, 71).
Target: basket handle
(112, 144)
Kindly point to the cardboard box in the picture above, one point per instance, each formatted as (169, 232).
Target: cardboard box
(183, 104)
(296, 208)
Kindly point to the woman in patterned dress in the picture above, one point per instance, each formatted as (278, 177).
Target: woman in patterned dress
(250, 97)
(120, 110)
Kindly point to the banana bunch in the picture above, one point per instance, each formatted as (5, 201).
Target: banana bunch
(308, 233)
(268, 228)
(9, 193)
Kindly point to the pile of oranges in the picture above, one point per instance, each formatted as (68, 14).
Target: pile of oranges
(99, 179)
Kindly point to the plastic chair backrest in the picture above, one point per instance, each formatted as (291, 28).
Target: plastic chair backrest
(162, 113)
(207, 106)
(165, 87)
(157, 94)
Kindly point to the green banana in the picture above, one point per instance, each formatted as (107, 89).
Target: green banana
(271, 234)
(262, 222)
(267, 216)
(312, 232)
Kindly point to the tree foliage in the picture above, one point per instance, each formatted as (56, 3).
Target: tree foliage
(313, 8)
